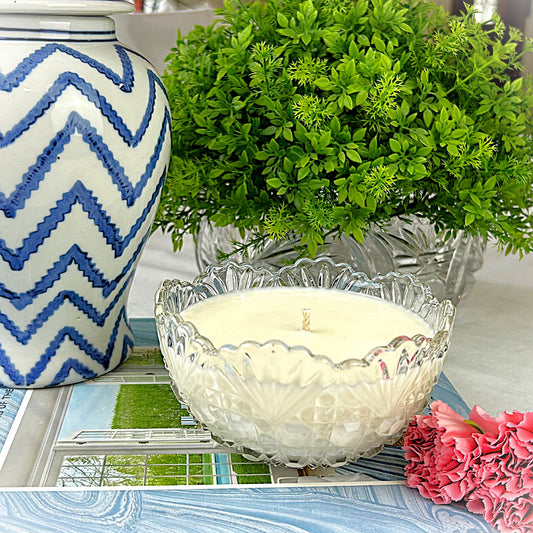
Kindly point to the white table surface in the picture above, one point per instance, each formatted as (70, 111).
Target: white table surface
(490, 361)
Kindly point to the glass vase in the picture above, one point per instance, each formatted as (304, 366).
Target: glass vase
(406, 245)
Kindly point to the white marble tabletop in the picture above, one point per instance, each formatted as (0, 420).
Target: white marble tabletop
(490, 361)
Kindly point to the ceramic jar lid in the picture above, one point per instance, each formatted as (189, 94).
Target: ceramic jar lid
(66, 7)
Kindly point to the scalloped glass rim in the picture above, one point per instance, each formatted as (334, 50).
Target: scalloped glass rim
(169, 286)
(66, 7)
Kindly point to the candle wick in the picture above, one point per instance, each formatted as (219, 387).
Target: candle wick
(306, 319)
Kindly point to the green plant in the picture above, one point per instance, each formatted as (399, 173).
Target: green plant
(321, 117)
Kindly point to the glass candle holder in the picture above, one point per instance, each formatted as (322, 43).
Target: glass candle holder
(285, 404)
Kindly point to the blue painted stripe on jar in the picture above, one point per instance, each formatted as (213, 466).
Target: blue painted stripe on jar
(36, 39)
(73, 32)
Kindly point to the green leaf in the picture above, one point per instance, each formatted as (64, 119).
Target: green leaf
(288, 32)
(324, 140)
(420, 169)
(358, 198)
(347, 101)
(352, 155)
(245, 35)
(330, 165)
(459, 133)
(358, 135)
(288, 165)
(395, 146)
(453, 150)
(314, 184)
(283, 21)
(424, 151)
(482, 109)
(300, 132)
(199, 119)
(275, 183)
(324, 83)
(469, 218)
(306, 39)
(335, 125)
(312, 248)
(405, 28)
(378, 43)
(287, 134)
(343, 193)
(373, 146)
(303, 172)
(361, 7)
(428, 118)
(240, 193)
(270, 130)
(490, 183)
(371, 203)
(363, 40)
(358, 235)
(516, 85)
(361, 98)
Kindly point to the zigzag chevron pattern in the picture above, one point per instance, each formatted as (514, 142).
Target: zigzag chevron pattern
(24, 335)
(78, 194)
(76, 256)
(103, 358)
(70, 79)
(14, 78)
(79, 331)
(75, 124)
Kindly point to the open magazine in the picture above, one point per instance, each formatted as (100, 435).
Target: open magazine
(127, 428)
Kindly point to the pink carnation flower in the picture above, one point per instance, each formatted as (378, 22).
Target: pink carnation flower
(439, 449)
(419, 446)
(485, 461)
(506, 453)
(508, 516)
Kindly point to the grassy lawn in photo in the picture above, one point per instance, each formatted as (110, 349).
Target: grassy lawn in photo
(250, 472)
(145, 357)
(151, 406)
(207, 468)
(147, 407)
(162, 469)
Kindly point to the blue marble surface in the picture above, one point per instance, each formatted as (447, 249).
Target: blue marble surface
(10, 400)
(325, 509)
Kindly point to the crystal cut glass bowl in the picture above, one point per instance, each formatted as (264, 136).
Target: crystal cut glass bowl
(308, 411)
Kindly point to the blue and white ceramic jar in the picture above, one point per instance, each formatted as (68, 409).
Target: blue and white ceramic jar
(84, 148)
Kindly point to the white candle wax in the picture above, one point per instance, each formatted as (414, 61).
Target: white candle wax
(343, 324)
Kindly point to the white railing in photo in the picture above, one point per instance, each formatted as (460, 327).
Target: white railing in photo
(175, 437)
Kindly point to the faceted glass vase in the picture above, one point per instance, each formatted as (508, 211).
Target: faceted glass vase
(407, 246)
